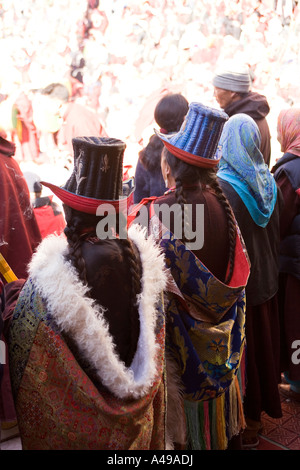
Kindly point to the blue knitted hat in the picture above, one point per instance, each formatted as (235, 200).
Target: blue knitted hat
(197, 140)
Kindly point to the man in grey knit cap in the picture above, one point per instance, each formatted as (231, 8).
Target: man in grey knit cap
(232, 90)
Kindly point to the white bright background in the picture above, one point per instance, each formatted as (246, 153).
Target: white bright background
(137, 50)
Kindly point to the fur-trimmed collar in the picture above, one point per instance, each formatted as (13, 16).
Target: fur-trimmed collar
(79, 317)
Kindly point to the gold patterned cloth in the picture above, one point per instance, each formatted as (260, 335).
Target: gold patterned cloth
(71, 390)
(206, 339)
(58, 405)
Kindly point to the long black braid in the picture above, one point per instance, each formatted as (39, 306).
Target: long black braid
(72, 232)
(180, 198)
(76, 223)
(231, 223)
(185, 174)
(135, 271)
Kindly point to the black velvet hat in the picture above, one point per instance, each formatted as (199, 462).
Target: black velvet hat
(97, 177)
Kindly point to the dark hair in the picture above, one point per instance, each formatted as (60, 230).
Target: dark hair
(183, 173)
(135, 270)
(56, 90)
(150, 155)
(169, 114)
(77, 222)
(37, 187)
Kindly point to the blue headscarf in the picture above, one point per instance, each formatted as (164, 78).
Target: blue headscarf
(243, 166)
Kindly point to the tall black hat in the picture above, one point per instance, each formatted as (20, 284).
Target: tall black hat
(97, 177)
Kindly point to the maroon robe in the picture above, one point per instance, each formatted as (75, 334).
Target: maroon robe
(289, 287)
(19, 232)
(19, 236)
(28, 137)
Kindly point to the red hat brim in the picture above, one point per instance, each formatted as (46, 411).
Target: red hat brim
(85, 204)
(187, 157)
(191, 158)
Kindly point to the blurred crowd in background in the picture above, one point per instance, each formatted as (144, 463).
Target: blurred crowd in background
(117, 58)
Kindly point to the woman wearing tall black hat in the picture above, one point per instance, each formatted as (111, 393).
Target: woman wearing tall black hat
(86, 339)
(209, 268)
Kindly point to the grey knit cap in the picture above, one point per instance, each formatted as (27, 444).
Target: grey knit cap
(233, 77)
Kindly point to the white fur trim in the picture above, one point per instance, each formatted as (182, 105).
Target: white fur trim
(79, 316)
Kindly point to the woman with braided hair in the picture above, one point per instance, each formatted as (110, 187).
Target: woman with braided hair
(256, 202)
(205, 296)
(189, 183)
(86, 333)
(92, 258)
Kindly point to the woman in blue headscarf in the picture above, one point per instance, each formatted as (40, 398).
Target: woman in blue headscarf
(256, 202)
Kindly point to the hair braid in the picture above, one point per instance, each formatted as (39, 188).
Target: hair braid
(75, 254)
(188, 174)
(135, 269)
(231, 223)
(181, 200)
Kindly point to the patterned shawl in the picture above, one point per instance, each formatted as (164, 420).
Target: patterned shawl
(206, 318)
(288, 131)
(243, 166)
(205, 338)
(71, 390)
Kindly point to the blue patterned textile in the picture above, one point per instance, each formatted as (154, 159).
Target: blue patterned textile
(243, 166)
(206, 319)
